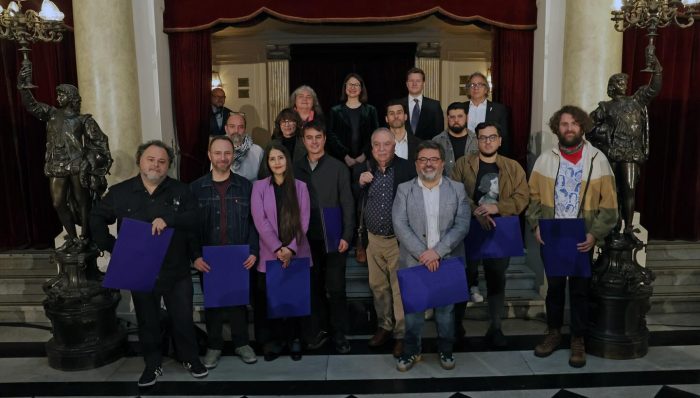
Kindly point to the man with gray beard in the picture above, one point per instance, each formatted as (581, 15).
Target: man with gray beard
(155, 198)
(246, 155)
(431, 218)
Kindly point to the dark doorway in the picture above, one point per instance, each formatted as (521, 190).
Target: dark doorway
(382, 66)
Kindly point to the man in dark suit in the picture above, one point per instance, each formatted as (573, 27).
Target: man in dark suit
(482, 110)
(219, 113)
(425, 118)
(396, 118)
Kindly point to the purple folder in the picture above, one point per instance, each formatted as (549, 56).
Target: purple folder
(288, 289)
(422, 289)
(137, 256)
(559, 252)
(227, 283)
(332, 221)
(503, 241)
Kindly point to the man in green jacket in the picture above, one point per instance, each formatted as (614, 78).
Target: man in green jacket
(495, 185)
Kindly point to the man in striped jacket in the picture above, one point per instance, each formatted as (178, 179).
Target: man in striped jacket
(572, 180)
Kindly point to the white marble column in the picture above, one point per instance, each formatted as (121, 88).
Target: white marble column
(592, 52)
(278, 91)
(428, 59)
(107, 76)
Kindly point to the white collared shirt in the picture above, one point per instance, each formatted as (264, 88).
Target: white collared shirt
(431, 200)
(412, 104)
(401, 148)
(477, 114)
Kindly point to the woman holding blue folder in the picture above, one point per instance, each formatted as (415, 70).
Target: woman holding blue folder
(280, 207)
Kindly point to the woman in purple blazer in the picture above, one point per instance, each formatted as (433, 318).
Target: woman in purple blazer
(280, 208)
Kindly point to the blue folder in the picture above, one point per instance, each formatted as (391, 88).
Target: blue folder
(137, 256)
(422, 289)
(332, 221)
(504, 240)
(559, 252)
(227, 284)
(288, 289)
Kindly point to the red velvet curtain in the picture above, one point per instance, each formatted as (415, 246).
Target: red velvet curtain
(511, 74)
(27, 217)
(667, 195)
(193, 15)
(190, 64)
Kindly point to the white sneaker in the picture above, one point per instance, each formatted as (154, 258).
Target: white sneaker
(247, 354)
(476, 296)
(211, 358)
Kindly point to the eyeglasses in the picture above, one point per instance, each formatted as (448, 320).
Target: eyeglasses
(424, 160)
(353, 85)
(488, 138)
(219, 96)
(476, 85)
(288, 121)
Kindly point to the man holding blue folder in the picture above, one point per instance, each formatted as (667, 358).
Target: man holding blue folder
(154, 197)
(431, 218)
(328, 180)
(572, 180)
(495, 186)
(224, 219)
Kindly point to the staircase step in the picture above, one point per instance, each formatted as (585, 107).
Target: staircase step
(676, 276)
(38, 259)
(20, 285)
(23, 313)
(22, 299)
(675, 299)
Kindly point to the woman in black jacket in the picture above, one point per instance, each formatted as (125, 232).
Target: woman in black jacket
(351, 123)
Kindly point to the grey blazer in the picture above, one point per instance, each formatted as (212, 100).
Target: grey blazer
(408, 216)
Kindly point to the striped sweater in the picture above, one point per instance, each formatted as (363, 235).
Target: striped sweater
(598, 197)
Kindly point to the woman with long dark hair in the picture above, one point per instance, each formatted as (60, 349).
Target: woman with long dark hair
(280, 208)
(351, 123)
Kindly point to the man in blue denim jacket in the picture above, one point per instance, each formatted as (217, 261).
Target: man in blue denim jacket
(225, 219)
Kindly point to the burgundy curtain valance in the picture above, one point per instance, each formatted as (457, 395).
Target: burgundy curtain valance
(194, 15)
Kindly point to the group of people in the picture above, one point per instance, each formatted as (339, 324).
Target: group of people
(412, 186)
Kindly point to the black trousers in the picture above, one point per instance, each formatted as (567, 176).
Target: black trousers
(579, 289)
(329, 310)
(495, 274)
(271, 330)
(216, 317)
(178, 301)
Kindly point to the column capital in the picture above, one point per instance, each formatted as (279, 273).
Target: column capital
(277, 51)
(428, 50)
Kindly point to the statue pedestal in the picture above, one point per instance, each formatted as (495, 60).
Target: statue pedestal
(620, 292)
(86, 331)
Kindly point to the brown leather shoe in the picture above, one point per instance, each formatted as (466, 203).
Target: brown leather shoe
(379, 338)
(578, 352)
(398, 348)
(550, 343)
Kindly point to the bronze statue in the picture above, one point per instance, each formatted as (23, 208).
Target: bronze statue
(621, 131)
(77, 157)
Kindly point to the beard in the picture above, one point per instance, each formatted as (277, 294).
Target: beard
(456, 128)
(237, 140)
(428, 175)
(153, 176)
(563, 141)
(488, 154)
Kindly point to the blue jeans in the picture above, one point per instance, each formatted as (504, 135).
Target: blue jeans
(445, 321)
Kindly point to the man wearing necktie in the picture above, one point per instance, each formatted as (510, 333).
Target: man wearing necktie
(219, 113)
(425, 114)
